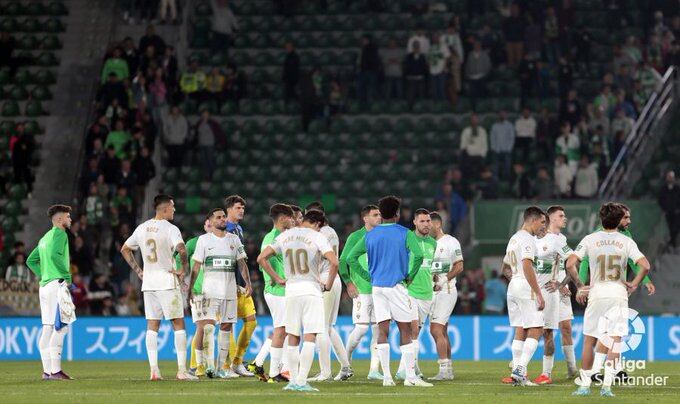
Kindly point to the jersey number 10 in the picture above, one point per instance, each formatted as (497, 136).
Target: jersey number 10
(297, 261)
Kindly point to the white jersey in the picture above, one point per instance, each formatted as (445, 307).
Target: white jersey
(448, 253)
(157, 240)
(521, 246)
(334, 241)
(550, 248)
(302, 250)
(608, 253)
(219, 256)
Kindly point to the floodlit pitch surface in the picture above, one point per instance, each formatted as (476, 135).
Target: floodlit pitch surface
(475, 382)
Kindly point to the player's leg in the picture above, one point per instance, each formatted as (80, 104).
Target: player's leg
(567, 343)
(548, 357)
(312, 321)
(173, 310)
(197, 343)
(208, 347)
(293, 355)
(224, 340)
(533, 334)
(153, 313)
(246, 311)
(335, 339)
(438, 332)
(48, 313)
(44, 346)
(323, 340)
(415, 328)
(610, 365)
(401, 308)
(276, 351)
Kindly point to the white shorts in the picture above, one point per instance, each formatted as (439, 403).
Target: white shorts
(49, 301)
(392, 304)
(163, 304)
(420, 309)
(331, 302)
(304, 313)
(277, 308)
(565, 309)
(607, 316)
(551, 312)
(524, 313)
(442, 306)
(362, 310)
(205, 308)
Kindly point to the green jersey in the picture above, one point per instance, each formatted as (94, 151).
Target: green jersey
(276, 262)
(191, 247)
(363, 286)
(50, 259)
(421, 287)
(583, 269)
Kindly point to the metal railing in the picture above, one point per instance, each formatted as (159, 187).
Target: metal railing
(640, 142)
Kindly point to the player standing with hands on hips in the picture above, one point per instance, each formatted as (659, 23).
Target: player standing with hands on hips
(158, 239)
(50, 263)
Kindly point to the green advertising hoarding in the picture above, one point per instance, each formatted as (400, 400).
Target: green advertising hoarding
(494, 222)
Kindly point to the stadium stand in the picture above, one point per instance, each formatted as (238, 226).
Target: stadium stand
(29, 56)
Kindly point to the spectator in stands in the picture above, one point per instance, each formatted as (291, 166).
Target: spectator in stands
(669, 200)
(437, 59)
(451, 38)
(336, 98)
(109, 166)
(113, 89)
(494, 291)
(544, 187)
(600, 157)
(533, 38)
(130, 54)
(525, 129)
(565, 77)
(571, 110)
(150, 38)
(457, 206)
(224, 25)
(406, 218)
(81, 257)
(22, 147)
(585, 179)
(116, 64)
(477, 68)
(214, 85)
(583, 41)
(528, 77)
(369, 66)
(169, 65)
(168, 6)
(415, 72)
(100, 290)
(79, 294)
(17, 271)
(551, 36)
(513, 30)
(392, 61)
(569, 145)
(119, 139)
(175, 134)
(599, 119)
(159, 92)
(128, 302)
(209, 136)
(192, 82)
(443, 211)
(487, 186)
(291, 73)
(605, 100)
(423, 41)
(94, 207)
(122, 206)
(115, 111)
(621, 122)
(235, 83)
(502, 142)
(521, 184)
(145, 171)
(474, 146)
(140, 92)
(126, 178)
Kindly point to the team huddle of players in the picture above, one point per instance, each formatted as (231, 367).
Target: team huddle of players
(538, 302)
(391, 273)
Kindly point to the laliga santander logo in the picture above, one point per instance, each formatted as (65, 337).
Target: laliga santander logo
(616, 322)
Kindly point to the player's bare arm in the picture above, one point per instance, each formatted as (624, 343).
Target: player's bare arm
(643, 263)
(553, 285)
(570, 267)
(245, 273)
(530, 275)
(184, 259)
(194, 275)
(129, 257)
(263, 261)
(506, 270)
(333, 271)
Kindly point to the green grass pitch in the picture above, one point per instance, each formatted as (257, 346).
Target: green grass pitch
(106, 382)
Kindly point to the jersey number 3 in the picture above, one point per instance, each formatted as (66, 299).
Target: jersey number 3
(153, 255)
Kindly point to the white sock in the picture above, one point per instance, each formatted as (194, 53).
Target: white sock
(416, 352)
(548, 365)
(598, 362)
(569, 356)
(530, 345)
(181, 348)
(209, 345)
(375, 361)
(222, 348)
(384, 356)
(44, 346)
(408, 357)
(517, 346)
(339, 347)
(306, 359)
(275, 363)
(324, 344)
(443, 365)
(355, 338)
(56, 345)
(609, 373)
(293, 362)
(264, 351)
(285, 367)
(152, 348)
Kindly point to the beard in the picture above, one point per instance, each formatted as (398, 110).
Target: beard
(221, 228)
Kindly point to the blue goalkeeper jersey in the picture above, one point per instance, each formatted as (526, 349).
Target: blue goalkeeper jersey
(236, 229)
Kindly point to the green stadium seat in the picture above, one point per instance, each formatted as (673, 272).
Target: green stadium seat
(28, 42)
(29, 25)
(8, 24)
(34, 108)
(10, 108)
(13, 208)
(47, 59)
(17, 192)
(44, 77)
(41, 93)
(13, 8)
(51, 42)
(56, 8)
(203, 9)
(10, 224)
(18, 93)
